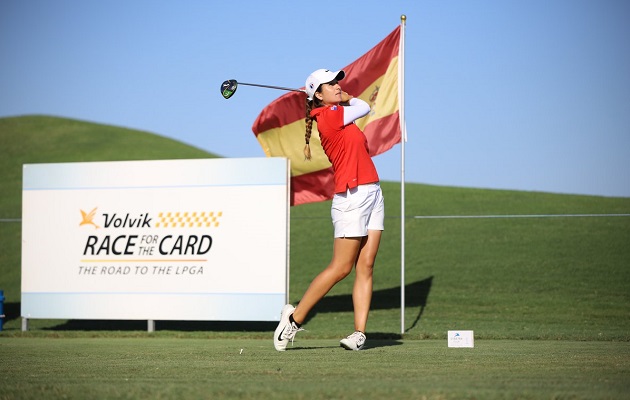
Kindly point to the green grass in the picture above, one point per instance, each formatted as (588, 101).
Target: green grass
(526, 278)
(547, 298)
(159, 368)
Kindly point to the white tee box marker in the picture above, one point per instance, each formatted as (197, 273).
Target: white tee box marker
(461, 339)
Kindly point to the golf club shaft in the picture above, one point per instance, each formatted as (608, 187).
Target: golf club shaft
(270, 87)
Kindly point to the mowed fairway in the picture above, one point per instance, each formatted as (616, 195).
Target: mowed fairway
(157, 368)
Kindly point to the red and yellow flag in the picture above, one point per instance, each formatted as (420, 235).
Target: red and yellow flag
(280, 127)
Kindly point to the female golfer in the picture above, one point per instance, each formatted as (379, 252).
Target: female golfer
(357, 207)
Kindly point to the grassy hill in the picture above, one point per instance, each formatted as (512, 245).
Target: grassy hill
(42, 139)
(517, 278)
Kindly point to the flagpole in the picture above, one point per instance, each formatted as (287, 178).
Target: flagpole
(403, 139)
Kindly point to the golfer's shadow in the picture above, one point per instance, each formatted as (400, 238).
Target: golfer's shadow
(416, 295)
(373, 343)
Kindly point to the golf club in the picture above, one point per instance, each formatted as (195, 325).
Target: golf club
(228, 88)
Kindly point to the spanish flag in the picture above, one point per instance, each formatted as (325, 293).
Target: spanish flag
(280, 127)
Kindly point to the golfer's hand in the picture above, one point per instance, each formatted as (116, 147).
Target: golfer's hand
(345, 97)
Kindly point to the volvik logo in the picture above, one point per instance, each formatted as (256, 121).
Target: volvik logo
(185, 219)
(116, 221)
(88, 218)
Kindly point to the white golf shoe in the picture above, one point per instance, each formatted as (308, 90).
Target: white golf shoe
(286, 330)
(356, 341)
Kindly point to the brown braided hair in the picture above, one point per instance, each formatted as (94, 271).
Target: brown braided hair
(310, 105)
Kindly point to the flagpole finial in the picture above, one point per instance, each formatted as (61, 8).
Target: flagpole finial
(403, 18)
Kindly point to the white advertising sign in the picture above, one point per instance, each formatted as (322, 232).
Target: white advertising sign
(461, 339)
(160, 240)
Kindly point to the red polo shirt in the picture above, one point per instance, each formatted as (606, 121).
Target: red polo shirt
(346, 148)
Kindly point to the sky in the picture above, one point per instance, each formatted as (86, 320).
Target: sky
(529, 95)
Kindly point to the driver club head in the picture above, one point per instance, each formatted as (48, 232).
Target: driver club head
(228, 88)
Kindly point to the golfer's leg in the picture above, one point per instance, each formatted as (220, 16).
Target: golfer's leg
(344, 255)
(362, 290)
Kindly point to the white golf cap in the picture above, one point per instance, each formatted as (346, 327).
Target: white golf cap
(321, 76)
